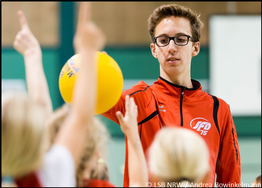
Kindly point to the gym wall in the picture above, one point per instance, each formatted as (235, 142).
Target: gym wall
(125, 26)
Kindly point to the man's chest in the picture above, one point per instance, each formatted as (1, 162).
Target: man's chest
(194, 114)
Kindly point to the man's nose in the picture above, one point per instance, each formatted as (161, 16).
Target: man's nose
(172, 46)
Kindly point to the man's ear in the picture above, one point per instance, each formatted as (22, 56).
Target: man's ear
(153, 49)
(196, 49)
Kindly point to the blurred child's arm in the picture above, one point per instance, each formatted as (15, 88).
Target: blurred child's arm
(138, 174)
(87, 41)
(27, 45)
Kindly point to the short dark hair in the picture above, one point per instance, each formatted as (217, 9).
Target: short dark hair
(175, 10)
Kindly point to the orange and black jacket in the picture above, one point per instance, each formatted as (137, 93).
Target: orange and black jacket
(166, 104)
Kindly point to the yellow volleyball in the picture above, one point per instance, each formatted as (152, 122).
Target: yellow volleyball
(109, 82)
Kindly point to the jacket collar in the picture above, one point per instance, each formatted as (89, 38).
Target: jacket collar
(170, 88)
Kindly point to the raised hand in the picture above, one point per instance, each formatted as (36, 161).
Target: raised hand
(25, 42)
(129, 122)
(28, 46)
(88, 36)
(137, 167)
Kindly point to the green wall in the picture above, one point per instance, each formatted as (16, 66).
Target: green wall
(135, 63)
(138, 62)
(13, 68)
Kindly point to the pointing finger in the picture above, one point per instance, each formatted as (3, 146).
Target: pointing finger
(132, 103)
(83, 14)
(22, 20)
(127, 103)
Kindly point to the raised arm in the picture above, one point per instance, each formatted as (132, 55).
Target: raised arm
(138, 174)
(88, 39)
(27, 45)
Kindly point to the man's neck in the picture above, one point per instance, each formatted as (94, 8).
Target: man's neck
(179, 80)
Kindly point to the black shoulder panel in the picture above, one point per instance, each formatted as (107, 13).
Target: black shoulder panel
(215, 109)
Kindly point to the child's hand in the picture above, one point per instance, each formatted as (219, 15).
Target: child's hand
(88, 36)
(129, 122)
(25, 42)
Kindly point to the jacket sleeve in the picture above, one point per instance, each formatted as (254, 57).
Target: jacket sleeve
(138, 93)
(228, 167)
(120, 106)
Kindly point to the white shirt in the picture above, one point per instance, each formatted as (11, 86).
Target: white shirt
(58, 169)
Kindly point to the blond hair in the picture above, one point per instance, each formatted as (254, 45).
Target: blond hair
(175, 10)
(179, 155)
(95, 142)
(54, 123)
(23, 134)
(257, 182)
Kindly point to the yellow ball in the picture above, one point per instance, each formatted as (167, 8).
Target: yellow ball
(109, 81)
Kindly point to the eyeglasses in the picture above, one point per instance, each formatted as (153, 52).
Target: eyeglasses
(180, 40)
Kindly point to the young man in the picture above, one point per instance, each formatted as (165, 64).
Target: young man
(177, 100)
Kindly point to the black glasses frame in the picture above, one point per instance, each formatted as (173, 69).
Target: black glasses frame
(173, 38)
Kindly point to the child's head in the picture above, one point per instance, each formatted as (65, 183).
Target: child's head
(99, 170)
(257, 182)
(90, 165)
(54, 123)
(178, 155)
(23, 133)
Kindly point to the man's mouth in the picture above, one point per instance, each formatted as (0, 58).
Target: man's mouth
(173, 60)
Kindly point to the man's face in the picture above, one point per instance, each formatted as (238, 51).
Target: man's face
(175, 61)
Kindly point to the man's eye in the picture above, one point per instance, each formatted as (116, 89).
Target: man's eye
(163, 40)
(181, 39)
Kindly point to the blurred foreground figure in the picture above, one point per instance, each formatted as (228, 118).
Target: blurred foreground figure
(24, 117)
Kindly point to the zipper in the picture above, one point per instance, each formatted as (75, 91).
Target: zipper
(181, 101)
